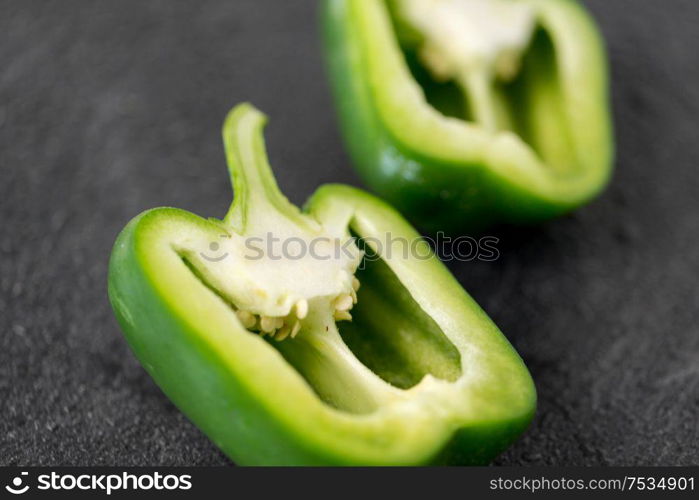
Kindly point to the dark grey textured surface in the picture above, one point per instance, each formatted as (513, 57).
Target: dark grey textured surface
(109, 108)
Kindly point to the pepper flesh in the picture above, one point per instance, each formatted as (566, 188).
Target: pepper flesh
(504, 126)
(420, 375)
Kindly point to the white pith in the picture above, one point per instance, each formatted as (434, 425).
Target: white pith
(272, 289)
(471, 35)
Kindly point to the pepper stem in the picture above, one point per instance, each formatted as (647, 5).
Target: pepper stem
(255, 189)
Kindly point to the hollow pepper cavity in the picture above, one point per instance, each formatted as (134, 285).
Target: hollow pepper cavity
(352, 352)
(466, 113)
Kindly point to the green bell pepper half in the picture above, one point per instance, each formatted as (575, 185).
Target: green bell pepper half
(420, 375)
(463, 150)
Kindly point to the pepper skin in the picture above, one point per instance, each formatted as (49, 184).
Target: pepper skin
(419, 376)
(530, 148)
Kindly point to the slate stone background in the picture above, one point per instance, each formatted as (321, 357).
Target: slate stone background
(109, 108)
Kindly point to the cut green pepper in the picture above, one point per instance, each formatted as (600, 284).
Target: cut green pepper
(465, 113)
(283, 358)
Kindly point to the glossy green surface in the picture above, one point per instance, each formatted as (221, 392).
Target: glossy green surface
(413, 143)
(437, 381)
